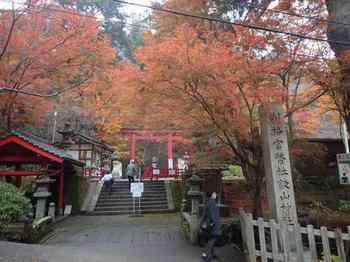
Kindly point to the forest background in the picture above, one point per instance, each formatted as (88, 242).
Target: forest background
(203, 67)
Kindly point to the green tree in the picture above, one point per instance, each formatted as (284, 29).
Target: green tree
(114, 24)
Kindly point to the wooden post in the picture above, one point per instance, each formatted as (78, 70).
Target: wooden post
(340, 244)
(61, 193)
(325, 245)
(262, 239)
(170, 152)
(298, 243)
(18, 181)
(243, 223)
(274, 241)
(250, 238)
(18, 178)
(285, 241)
(312, 243)
(133, 147)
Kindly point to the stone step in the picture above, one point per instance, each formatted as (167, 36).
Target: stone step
(130, 203)
(129, 196)
(125, 212)
(123, 190)
(120, 201)
(144, 182)
(116, 189)
(121, 208)
(126, 190)
(130, 200)
(147, 194)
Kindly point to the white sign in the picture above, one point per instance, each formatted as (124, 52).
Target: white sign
(280, 188)
(343, 161)
(67, 210)
(156, 172)
(136, 189)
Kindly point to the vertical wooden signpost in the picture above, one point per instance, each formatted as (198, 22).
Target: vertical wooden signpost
(277, 164)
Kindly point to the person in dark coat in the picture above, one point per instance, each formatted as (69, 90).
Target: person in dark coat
(211, 219)
(131, 172)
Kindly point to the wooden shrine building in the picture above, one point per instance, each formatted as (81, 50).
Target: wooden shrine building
(95, 154)
(23, 155)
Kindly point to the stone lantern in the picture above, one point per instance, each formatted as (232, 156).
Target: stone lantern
(194, 194)
(42, 194)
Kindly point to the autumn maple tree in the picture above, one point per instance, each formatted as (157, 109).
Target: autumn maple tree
(200, 76)
(46, 51)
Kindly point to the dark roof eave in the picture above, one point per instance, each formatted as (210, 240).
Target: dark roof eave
(324, 140)
(75, 162)
(94, 141)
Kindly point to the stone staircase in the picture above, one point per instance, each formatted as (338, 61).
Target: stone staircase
(120, 202)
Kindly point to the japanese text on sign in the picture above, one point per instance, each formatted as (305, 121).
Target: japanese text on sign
(284, 191)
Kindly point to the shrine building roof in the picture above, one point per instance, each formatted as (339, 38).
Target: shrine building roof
(41, 144)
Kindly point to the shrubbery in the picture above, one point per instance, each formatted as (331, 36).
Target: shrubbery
(177, 192)
(344, 206)
(13, 205)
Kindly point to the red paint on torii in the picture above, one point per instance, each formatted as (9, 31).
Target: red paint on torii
(152, 135)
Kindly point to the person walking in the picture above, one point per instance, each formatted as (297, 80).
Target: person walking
(107, 179)
(131, 172)
(211, 219)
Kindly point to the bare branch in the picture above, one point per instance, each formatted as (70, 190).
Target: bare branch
(54, 94)
(315, 98)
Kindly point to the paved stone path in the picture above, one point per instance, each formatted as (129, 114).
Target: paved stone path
(153, 238)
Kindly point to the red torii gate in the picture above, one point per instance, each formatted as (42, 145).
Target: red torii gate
(153, 135)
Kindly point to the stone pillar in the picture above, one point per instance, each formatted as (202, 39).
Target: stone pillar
(279, 181)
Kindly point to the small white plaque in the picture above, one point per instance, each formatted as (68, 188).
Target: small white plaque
(68, 210)
(137, 189)
(343, 161)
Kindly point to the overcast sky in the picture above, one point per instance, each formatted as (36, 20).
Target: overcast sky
(127, 9)
(139, 12)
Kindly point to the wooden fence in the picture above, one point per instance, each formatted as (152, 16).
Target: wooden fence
(268, 241)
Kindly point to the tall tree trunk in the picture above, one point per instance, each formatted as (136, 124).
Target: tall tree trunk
(254, 179)
(339, 11)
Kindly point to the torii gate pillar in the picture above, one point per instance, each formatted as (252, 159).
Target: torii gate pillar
(170, 152)
(133, 147)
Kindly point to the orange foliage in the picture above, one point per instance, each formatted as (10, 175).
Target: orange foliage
(195, 76)
(48, 51)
